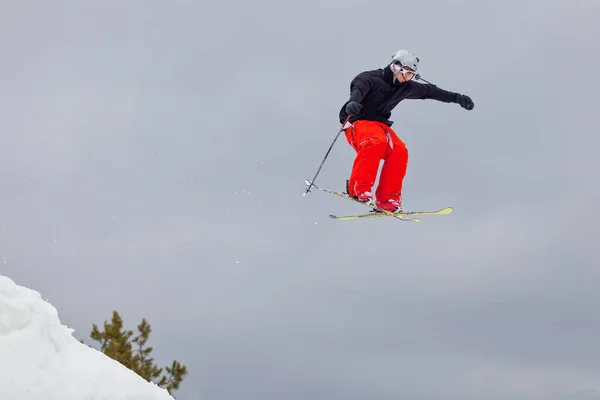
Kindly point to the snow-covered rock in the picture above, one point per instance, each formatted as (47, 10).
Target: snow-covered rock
(41, 360)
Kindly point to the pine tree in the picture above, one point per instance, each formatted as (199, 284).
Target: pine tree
(134, 353)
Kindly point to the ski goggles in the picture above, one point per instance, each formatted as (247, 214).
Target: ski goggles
(408, 73)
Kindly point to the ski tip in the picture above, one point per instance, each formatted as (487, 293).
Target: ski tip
(333, 216)
(442, 211)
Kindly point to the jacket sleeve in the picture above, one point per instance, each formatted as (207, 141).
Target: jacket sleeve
(359, 87)
(428, 91)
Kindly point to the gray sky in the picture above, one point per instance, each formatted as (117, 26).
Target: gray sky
(152, 158)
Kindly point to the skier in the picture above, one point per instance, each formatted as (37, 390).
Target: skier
(373, 96)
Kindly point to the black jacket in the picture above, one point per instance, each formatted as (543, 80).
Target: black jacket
(378, 94)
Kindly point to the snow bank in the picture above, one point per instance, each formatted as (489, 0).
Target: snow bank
(40, 359)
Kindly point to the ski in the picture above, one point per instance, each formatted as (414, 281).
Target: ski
(376, 210)
(375, 214)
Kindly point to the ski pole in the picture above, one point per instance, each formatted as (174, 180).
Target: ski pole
(326, 154)
(418, 77)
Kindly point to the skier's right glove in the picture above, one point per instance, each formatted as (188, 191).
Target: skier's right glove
(353, 108)
(465, 101)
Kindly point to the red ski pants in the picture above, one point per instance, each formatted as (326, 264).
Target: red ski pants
(375, 141)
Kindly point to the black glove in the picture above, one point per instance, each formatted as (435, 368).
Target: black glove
(353, 108)
(464, 101)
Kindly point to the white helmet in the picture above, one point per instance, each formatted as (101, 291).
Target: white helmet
(406, 58)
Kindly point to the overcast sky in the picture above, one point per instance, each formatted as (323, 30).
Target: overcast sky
(152, 159)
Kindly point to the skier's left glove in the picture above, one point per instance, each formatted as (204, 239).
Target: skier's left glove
(465, 101)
